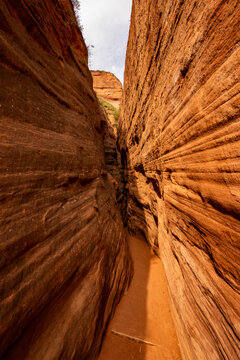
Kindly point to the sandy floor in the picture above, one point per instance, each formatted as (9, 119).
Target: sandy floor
(142, 327)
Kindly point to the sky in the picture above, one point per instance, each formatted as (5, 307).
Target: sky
(105, 26)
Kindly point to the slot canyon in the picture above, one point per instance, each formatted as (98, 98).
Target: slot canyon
(120, 205)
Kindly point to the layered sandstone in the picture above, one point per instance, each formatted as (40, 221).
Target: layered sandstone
(109, 92)
(108, 87)
(179, 139)
(64, 260)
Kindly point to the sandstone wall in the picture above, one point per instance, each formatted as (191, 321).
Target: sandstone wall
(107, 86)
(179, 138)
(64, 262)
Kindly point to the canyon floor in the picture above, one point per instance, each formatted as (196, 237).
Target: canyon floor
(142, 327)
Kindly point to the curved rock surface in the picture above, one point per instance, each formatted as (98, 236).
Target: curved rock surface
(64, 260)
(179, 138)
(107, 86)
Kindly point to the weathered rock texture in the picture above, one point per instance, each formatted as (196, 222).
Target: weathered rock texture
(64, 262)
(179, 138)
(108, 87)
(106, 84)
(112, 114)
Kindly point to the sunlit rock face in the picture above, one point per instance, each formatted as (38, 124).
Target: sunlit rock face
(109, 92)
(64, 262)
(108, 87)
(179, 137)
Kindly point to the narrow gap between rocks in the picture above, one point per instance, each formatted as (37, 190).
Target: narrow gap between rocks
(142, 327)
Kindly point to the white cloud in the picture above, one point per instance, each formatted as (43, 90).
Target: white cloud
(105, 26)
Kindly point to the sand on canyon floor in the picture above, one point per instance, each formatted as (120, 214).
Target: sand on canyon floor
(142, 327)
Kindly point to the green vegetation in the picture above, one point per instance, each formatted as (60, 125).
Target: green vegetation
(109, 108)
(84, 60)
(71, 19)
(116, 114)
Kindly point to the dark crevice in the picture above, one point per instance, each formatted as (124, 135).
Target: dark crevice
(155, 219)
(139, 204)
(139, 168)
(224, 210)
(197, 228)
(76, 180)
(123, 158)
(184, 70)
(155, 185)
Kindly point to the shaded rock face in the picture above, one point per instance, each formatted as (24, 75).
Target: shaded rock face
(108, 87)
(64, 260)
(179, 141)
(106, 84)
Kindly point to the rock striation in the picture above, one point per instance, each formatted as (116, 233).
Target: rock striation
(179, 137)
(64, 260)
(108, 87)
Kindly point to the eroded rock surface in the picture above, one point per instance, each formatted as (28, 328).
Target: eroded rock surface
(179, 138)
(64, 260)
(108, 87)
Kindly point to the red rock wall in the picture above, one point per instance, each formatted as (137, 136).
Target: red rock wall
(64, 262)
(179, 136)
(108, 87)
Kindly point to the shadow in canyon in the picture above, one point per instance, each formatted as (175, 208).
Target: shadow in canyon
(125, 338)
(144, 313)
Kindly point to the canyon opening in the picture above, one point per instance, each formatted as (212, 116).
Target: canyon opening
(120, 202)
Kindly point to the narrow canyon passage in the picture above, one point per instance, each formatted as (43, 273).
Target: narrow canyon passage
(142, 327)
(76, 170)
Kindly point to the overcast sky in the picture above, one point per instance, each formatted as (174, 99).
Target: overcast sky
(105, 26)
